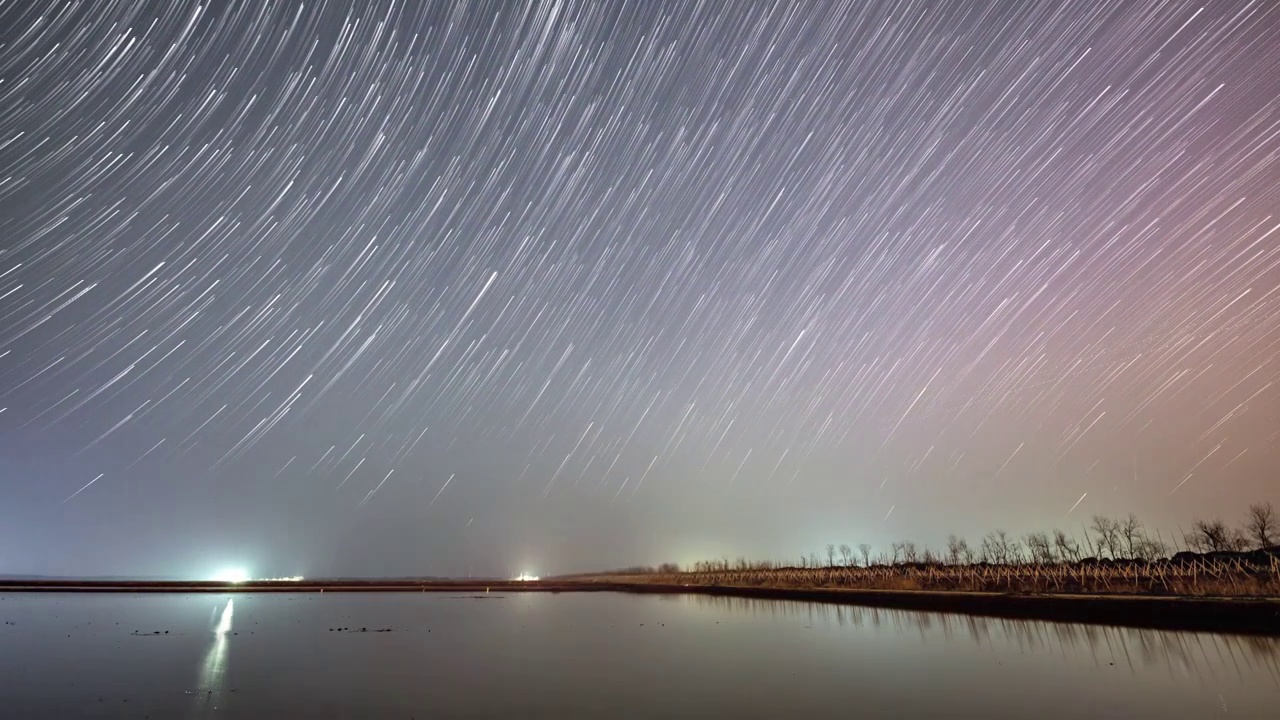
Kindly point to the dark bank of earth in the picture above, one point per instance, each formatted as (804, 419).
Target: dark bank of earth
(1251, 616)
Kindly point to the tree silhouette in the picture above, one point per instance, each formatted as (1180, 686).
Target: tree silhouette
(1261, 525)
(1108, 532)
(1066, 546)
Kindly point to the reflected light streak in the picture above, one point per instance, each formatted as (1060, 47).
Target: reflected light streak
(214, 666)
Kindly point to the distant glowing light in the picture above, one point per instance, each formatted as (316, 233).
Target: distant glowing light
(232, 575)
(291, 578)
(526, 577)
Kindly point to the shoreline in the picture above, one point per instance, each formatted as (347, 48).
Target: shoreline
(1234, 615)
(1228, 615)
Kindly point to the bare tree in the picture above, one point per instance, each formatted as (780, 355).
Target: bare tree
(1214, 536)
(897, 552)
(1260, 527)
(956, 548)
(1066, 546)
(831, 555)
(1150, 549)
(668, 568)
(999, 548)
(1088, 542)
(929, 557)
(910, 553)
(1193, 540)
(1013, 548)
(865, 550)
(846, 555)
(814, 561)
(1132, 534)
(1108, 532)
(1039, 548)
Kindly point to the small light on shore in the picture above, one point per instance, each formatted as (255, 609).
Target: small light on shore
(526, 577)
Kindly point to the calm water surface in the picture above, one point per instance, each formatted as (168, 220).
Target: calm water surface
(598, 655)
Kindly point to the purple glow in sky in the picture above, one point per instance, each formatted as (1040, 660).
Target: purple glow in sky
(408, 288)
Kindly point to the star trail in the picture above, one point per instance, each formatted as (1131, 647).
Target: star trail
(401, 287)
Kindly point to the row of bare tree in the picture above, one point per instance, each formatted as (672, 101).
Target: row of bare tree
(1104, 538)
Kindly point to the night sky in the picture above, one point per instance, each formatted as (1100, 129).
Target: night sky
(410, 288)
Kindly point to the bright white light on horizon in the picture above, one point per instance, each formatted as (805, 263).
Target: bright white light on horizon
(232, 575)
(526, 577)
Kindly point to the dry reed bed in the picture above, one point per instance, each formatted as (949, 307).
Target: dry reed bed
(1204, 577)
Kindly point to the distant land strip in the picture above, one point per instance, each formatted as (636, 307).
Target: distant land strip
(1237, 615)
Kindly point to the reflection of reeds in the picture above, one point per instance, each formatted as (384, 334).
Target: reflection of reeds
(1200, 654)
(1201, 576)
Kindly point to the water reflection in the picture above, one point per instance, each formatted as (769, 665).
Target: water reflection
(1182, 654)
(601, 655)
(212, 669)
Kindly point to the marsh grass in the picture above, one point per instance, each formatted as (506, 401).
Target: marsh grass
(1253, 575)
